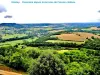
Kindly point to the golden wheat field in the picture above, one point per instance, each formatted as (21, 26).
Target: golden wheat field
(77, 36)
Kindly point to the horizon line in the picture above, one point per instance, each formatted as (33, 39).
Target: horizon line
(51, 23)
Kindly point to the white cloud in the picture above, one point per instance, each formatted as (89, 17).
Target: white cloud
(81, 11)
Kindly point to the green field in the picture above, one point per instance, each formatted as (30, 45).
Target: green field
(7, 36)
(62, 41)
(17, 42)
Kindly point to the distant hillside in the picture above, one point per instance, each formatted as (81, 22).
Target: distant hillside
(77, 25)
(98, 27)
(11, 25)
(81, 25)
(15, 25)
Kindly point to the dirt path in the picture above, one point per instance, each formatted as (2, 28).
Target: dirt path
(8, 73)
(4, 70)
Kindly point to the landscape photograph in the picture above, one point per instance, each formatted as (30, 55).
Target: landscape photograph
(53, 37)
(49, 49)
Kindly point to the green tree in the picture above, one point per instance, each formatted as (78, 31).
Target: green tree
(81, 68)
(0, 37)
(33, 53)
(16, 60)
(92, 37)
(93, 44)
(47, 64)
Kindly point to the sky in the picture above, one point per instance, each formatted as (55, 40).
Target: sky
(80, 11)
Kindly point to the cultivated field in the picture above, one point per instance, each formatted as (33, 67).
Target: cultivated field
(77, 36)
(94, 28)
(91, 28)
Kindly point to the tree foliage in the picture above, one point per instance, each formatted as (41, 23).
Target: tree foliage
(93, 44)
(47, 64)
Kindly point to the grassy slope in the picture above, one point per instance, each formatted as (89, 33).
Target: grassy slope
(17, 41)
(13, 35)
(62, 41)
